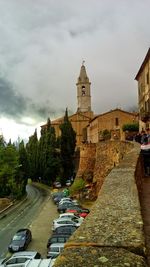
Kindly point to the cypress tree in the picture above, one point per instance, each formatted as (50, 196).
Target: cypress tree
(67, 144)
(32, 151)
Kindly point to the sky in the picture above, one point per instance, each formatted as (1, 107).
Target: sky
(42, 46)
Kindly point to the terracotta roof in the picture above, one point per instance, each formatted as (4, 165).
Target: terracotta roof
(117, 109)
(147, 57)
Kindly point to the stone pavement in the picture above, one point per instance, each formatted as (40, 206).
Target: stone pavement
(145, 209)
(41, 226)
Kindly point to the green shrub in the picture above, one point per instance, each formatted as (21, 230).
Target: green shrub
(131, 127)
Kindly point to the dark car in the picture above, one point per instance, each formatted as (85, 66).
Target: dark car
(68, 229)
(20, 240)
(57, 238)
(63, 207)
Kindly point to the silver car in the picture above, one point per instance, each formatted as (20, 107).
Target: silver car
(65, 221)
(54, 250)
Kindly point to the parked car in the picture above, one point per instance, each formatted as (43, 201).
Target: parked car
(54, 250)
(68, 215)
(20, 257)
(81, 212)
(60, 238)
(20, 240)
(68, 183)
(62, 222)
(57, 185)
(63, 207)
(67, 229)
(68, 200)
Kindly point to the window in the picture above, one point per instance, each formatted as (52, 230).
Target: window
(147, 78)
(83, 90)
(11, 261)
(116, 121)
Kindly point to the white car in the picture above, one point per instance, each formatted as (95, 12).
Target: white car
(63, 222)
(69, 215)
(68, 200)
(19, 258)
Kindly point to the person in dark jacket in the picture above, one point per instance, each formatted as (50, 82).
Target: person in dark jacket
(145, 151)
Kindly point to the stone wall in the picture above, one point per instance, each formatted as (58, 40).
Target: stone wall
(108, 155)
(112, 234)
(87, 159)
(99, 159)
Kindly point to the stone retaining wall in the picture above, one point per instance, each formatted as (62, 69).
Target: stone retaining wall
(112, 234)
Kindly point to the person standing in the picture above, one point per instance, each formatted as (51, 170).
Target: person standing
(145, 151)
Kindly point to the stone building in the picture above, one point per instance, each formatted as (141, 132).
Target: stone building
(112, 121)
(143, 79)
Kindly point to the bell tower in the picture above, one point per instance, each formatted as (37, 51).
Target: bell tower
(83, 91)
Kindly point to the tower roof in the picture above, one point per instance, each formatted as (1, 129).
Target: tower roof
(83, 78)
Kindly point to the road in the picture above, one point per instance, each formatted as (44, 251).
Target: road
(20, 216)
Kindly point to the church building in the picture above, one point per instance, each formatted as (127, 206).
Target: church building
(84, 113)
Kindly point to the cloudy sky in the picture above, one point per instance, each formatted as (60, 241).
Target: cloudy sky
(42, 45)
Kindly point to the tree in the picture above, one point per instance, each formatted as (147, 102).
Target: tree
(32, 152)
(49, 159)
(67, 147)
(77, 186)
(23, 166)
(9, 182)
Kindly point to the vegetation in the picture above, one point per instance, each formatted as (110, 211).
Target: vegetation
(77, 186)
(67, 148)
(131, 127)
(47, 159)
(106, 134)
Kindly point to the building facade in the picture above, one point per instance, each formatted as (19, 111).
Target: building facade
(111, 121)
(143, 79)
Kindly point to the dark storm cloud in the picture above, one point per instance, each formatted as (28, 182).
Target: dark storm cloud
(11, 104)
(15, 106)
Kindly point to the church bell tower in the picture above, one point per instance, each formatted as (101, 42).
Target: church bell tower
(83, 91)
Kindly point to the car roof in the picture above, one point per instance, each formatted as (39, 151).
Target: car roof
(24, 253)
(55, 245)
(59, 235)
(39, 263)
(63, 219)
(67, 213)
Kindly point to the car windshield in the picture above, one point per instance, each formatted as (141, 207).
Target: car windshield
(54, 249)
(18, 237)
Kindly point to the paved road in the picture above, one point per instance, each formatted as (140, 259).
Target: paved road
(20, 216)
(41, 227)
